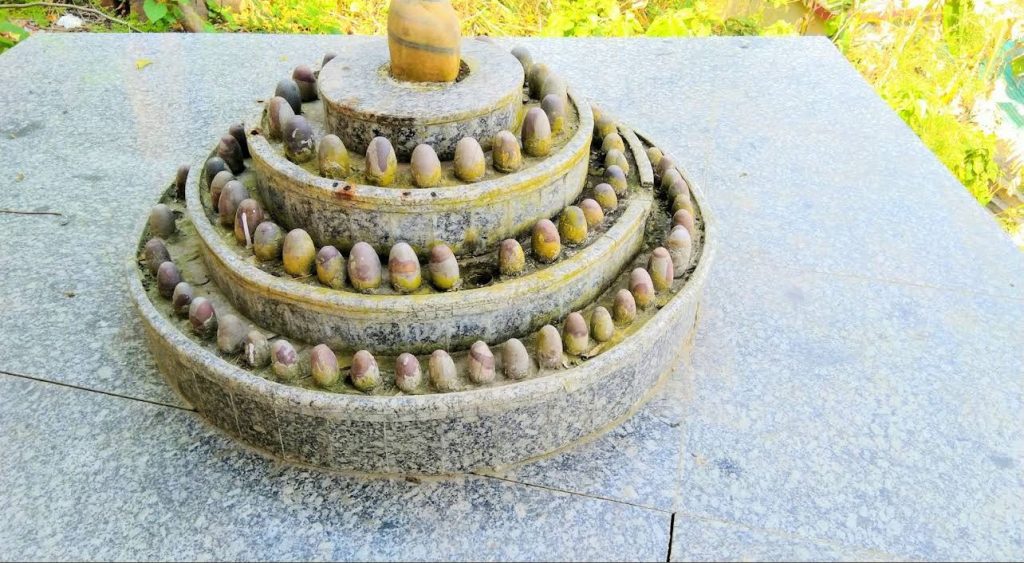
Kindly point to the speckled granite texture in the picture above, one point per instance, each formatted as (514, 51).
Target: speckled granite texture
(856, 390)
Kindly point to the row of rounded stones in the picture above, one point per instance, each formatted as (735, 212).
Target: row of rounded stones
(286, 123)
(234, 336)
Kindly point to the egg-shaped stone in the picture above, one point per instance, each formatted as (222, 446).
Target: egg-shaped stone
(683, 218)
(554, 85)
(443, 267)
(306, 81)
(515, 361)
(364, 373)
(615, 157)
(659, 266)
(289, 90)
(682, 201)
(284, 360)
(443, 375)
(624, 308)
(298, 253)
(202, 316)
(536, 133)
(677, 188)
(330, 267)
(248, 216)
(524, 57)
(278, 113)
(425, 167)
(605, 196)
(213, 165)
(604, 126)
(602, 327)
(233, 194)
(592, 212)
(267, 241)
(332, 157)
(680, 248)
(469, 162)
(572, 226)
(381, 162)
(654, 155)
(238, 132)
(154, 253)
(408, 374)
(538, 74)
(231, 333)
(364, 268)
(546, 242)
(481, 363)
(549, 348)
(256, 349)
(230, 152)
(575, 334)
(162, 221)
(555, 108)
(616, 177)
(167, 277)
(323, 365)
(181, 298)
(180, 180)
(505, 153)
(613, 141)
(299, 143)
(404, 268)
(642, 288)
(511, 258)
(217, 187)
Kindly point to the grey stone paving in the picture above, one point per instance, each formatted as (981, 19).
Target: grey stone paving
(857, 390)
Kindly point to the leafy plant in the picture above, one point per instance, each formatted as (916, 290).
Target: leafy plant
(10, 34)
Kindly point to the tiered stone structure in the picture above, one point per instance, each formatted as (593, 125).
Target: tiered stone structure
(381, 275)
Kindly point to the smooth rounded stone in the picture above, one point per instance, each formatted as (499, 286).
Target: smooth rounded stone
(289, 90)
(624, 308)
(678, 188)
(404, 268)
(443, 375)
(481, 363)
(592, 212)
(364, 268)
(546, 242)
(555, 108)
(602, 327)
(306, 81)
(536, 133)
(181, 298)
(298, 253)
(425, 166)
(505, 152)
(615, 157)
(238, 132)
(217, 187)
(654, 155)
(284, 360)
(664, 165)
(408, 374)
(554, 85)
(299, 144)
(613, 141)
(660, 268)
(616, 177)
(278, 113)
(470, 164)
(605, 196)
(423, 40)
(443, 267)
(575, 334)
(267, 241)
(202, 316)
(231, 333)
(230, 152)
(167, 278)
(161, 221)
(511, 258)
(642, 287)
(572, 226)
(180, 179)
(682, 201)
(330, 267)
(604, 126)
(515, 360)
(525, 58)
(364, 373)
(381, 162)
(323, 366)
(684, 218)
(332, 157)
(539, 72)
(247, 217)
(154, 253)
(233, 194)
(328, 57)
(680, 248)
(670, 175)
(549, 348)
(256, 349)
(213, 165)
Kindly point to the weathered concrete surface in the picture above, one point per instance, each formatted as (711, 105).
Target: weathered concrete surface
(856, 389)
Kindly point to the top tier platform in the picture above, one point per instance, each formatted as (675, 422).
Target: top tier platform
(362, 100)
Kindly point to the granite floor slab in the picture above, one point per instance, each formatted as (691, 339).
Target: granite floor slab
(89, 476)
(881, 416)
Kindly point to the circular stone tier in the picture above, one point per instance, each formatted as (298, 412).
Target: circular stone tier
(484, 427)
(419, 322)
(469, 218)
(362, 100)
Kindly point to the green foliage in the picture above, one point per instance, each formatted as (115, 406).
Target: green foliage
(10, 34)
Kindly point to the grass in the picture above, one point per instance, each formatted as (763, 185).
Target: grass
(933, 64)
